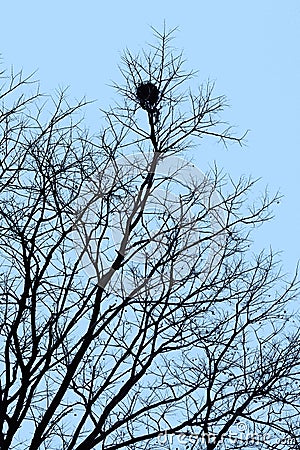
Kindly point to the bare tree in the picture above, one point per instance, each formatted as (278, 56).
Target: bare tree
(133, 314)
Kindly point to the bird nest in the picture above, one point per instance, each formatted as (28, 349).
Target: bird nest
(147, 94)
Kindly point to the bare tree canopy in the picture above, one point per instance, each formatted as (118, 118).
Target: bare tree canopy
(133, 313)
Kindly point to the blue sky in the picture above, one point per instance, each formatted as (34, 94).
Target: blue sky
(250, 49)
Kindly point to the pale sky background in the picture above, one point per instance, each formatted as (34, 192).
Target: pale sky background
(250, 49)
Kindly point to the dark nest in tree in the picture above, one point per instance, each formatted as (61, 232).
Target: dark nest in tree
(147, 94)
